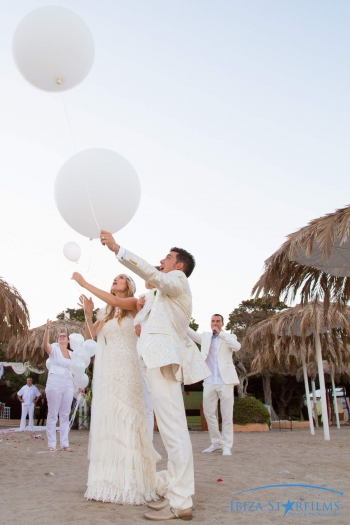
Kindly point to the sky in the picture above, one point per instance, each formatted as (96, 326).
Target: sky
(234, 114)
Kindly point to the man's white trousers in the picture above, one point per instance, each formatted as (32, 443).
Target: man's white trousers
(211, 396)
(171, 419)
(27, 409)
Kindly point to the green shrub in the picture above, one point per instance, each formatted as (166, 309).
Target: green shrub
(250, 410)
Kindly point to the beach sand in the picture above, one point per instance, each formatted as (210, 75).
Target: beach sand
(30, 494)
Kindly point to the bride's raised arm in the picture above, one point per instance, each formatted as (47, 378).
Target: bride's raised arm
(125, 303)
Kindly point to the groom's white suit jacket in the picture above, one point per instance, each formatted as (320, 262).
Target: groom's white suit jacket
(227, 344)
(163, 339)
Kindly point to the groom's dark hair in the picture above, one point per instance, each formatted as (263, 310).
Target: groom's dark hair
(182, 256)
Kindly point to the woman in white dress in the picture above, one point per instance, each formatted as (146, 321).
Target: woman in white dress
(59, 389)
(122, 458)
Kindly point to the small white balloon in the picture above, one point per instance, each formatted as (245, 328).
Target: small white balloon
(90, 347)
(81, 382)
(53, 48)
(83, 355)
(72, 251)
(97, 189)
(77, 367)
(48, 363)
(75, 342)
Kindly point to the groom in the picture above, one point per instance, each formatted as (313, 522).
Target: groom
(162, 343)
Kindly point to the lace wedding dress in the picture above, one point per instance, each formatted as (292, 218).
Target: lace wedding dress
(122, 458)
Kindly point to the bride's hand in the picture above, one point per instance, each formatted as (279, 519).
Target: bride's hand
(87, 305)
(140, 303)
(79, 279)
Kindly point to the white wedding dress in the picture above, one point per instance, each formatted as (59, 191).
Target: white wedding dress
(122, 458)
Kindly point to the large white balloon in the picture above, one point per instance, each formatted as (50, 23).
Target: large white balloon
(97, 189)
(53, 48)
(77, 367)
(75, 342)
(72, 251)
(82, 381)
(89, 347)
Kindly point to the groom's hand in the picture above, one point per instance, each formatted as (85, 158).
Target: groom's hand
(107, 239)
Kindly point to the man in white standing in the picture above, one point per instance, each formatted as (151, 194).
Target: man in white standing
(217, 347)
(162, 345)
(28, 396)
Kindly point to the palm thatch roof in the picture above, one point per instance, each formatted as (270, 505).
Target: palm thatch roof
(283, 340)
(14, 315)
(29, 347)
(341, 372)
(314, 261)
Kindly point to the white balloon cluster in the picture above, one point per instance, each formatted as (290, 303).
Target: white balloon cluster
(82, 352)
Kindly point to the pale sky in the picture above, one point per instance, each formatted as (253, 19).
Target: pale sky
(235, 115)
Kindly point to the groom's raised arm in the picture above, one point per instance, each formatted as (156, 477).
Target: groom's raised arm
(172, 283)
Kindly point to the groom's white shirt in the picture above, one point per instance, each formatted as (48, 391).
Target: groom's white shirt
(141, 316)
(163, 339)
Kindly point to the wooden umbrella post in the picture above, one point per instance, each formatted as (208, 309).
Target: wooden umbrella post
(307, 393)
(322, 386)
(335, 401)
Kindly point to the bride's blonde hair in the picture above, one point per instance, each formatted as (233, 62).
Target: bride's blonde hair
(114, 311)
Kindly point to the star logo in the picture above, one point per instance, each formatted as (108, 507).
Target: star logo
(288, 506)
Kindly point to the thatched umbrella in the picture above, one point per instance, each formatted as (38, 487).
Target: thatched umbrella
(14, 315)
(342, 371)
(314, 261)
(299, 335)
(325, 244)
(29, 347)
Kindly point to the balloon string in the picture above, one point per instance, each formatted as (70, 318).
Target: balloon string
(87, 271)
(76, 151)
(69, 124)
(92, 209)
(75, 411)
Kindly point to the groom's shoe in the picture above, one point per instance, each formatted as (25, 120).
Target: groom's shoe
(212, 448)
(158, 505)
(226, 451)
(169, 513)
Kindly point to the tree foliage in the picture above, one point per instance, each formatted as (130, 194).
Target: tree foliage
(194, 325)
(250, 312)
(76, 314)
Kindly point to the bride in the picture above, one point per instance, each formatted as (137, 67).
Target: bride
(122, 458)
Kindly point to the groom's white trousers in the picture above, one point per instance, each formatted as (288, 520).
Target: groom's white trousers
(171, 419)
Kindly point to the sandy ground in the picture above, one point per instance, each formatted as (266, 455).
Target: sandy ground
(31, 494)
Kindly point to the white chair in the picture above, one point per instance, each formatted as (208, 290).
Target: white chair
(4, 411)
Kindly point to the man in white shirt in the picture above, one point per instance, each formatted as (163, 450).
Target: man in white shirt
(217, 347)
(28, 396)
